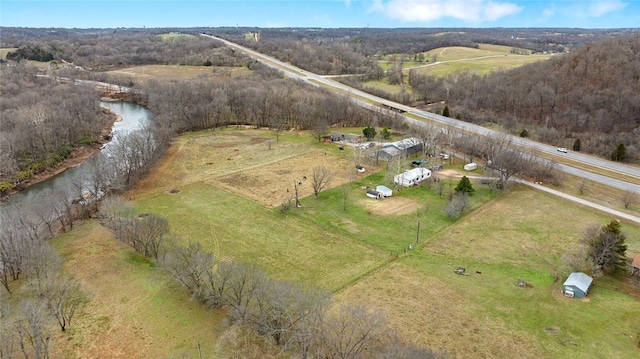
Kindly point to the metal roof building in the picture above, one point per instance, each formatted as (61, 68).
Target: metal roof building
(577, 285)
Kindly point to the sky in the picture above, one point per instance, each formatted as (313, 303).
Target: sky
(321, 13)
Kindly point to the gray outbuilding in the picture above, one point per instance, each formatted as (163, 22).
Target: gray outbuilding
(577, 285)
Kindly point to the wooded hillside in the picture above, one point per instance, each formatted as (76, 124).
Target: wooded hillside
(589, 94)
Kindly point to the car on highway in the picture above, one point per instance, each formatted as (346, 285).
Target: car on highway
(562, 149)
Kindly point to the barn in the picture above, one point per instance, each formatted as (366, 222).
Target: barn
(412, 177)
(635, 265)
(406, 147)
(577, 285)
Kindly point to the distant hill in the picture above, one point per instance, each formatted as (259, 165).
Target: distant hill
(591, 93)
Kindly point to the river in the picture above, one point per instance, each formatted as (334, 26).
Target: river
(133, 117)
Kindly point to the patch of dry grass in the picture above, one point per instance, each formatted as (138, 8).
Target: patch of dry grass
(142, 74)
(431, 312)
(135, 311)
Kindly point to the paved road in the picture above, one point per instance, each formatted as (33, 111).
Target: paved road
(617, 214)
(632, 172)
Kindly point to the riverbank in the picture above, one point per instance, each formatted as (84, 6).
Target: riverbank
(78, 155)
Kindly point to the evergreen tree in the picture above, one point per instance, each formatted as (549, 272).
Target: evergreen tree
(464, 186)
(577, 145)
(386, 133)
(620, 153)
(524, 133)
(606, 248)
(369, 132)
(445, 111)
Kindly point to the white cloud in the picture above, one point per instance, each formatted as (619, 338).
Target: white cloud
(600, 8)
(431, 10)
(548, 12)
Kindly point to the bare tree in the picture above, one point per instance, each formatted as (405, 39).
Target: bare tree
(306, 317)
(8, 339)
(319, 128)
(353, 331)
(320, 179)
(64, 296)
(148, 235)
(117, 214)
(503, 156)
(583, 186)
(12, 247)
(194, 269)
(244, 284)
(458, 204)
(31, 328)
(629, 198)
(41, 264)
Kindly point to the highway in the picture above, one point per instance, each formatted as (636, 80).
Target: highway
(630, 172)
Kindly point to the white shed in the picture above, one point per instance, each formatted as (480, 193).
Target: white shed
(412, 177)
(386, 191)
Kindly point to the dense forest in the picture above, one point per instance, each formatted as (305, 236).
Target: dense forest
(42, 121)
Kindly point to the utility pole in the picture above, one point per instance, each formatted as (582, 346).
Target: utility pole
(295, 186)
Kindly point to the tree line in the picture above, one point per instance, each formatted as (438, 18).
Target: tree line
(118, 49)
(277, 103)
(297, 319)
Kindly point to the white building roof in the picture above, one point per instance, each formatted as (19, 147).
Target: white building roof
(579, 280)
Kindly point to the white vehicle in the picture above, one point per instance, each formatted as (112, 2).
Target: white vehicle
(562, 149)
(470, 166)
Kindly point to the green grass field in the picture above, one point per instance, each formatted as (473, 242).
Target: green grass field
(360, 253)
(481, 61)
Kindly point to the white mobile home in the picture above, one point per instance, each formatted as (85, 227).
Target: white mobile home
(412, 177)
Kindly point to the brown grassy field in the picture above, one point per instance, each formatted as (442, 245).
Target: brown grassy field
(5, 50)
(428, 310)
(249, 163)
(179, 72)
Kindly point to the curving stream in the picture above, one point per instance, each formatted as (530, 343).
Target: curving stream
(133, 117)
